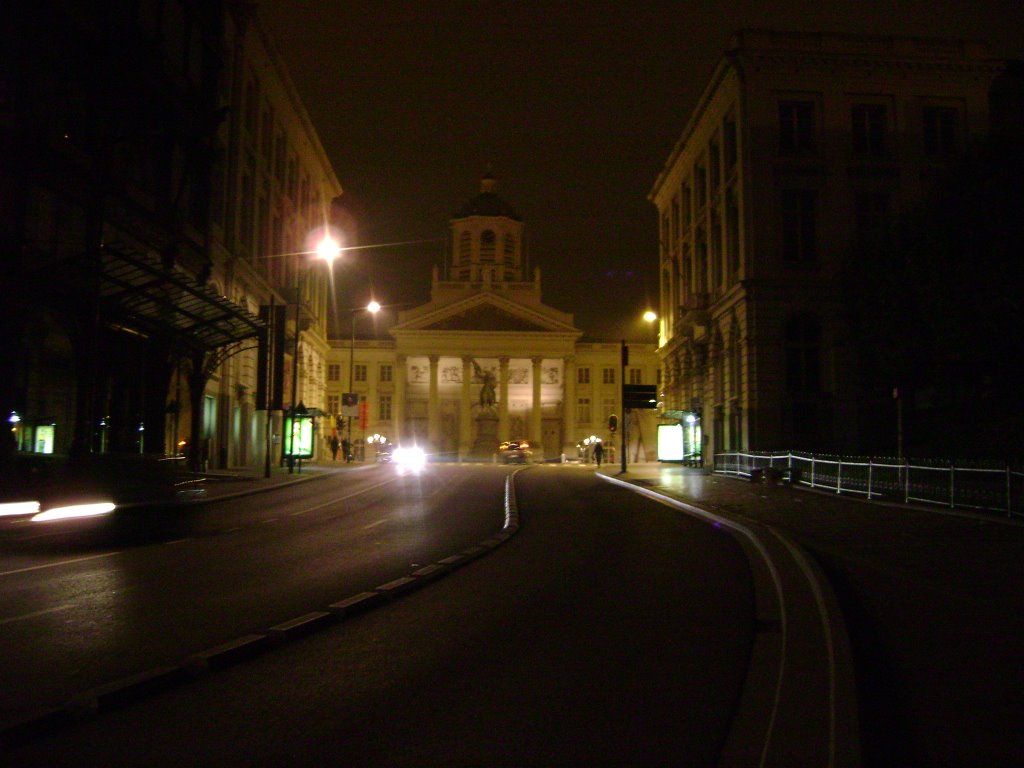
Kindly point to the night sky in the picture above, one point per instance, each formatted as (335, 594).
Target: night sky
(573, 106)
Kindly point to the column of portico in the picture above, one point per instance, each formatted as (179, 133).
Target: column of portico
(465, 411)
(569, 406)
(503, 399)
(536, 436)
(433, 407)
(398, 406)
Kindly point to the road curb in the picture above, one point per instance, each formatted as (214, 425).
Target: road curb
(798, 704)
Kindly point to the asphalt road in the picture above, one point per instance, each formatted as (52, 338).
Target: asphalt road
(82, 609)
(610, 630)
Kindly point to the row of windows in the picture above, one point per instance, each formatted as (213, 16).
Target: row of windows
(715, 165)
(871, 128)
(359, 372)
(608, 375)
(386, 373)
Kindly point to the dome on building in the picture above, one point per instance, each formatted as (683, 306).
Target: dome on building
(488, 202)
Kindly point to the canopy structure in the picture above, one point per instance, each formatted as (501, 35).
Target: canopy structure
(147, 295)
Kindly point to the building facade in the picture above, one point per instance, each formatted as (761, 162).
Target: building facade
(156, 163)
(800, 146)
(487, 361)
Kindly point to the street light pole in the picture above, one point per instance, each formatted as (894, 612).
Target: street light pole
(373, 308)
(622, 399)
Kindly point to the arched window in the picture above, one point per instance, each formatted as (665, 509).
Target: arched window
(510, 250)
(803, 353)
(487, 244)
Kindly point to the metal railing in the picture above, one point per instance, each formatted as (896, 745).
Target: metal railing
(967, 485)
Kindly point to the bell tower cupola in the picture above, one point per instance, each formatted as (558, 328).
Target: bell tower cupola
(486, 243)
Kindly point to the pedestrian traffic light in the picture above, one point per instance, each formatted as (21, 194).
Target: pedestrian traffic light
(613, 423)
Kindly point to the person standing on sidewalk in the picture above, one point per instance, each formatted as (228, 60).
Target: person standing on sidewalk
(335, 445)
(598, 453)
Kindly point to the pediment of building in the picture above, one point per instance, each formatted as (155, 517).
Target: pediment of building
(486, 314)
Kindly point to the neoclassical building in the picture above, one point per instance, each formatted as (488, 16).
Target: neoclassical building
(801, 146)
(486, 360)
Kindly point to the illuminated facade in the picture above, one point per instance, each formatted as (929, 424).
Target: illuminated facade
(799, 145)
(486, 360)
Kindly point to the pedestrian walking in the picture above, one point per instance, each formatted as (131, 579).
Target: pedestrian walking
(345, 448)
(335, 445)
(598, 453)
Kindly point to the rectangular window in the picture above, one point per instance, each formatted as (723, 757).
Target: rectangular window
(803, 354)
(714, 162)
(732, 234)
(582, 375)
(796, 127)
(583, 410)
(333, 404)
(636, 376)
(939, 126)
(799, 226)
(607, 408)
(333, 372)
(384, 408)
(608, 376)
(386, 373)
(729, 142)
(872, 212)
(359, 372)
(868, 126)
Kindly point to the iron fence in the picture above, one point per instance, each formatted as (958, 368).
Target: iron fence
(963, 485)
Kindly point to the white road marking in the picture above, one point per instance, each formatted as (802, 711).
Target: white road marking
(374, 525)
(57, 564)
(32, 615)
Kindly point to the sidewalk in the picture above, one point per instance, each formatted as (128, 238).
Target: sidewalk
(932, 603)
(241, 481)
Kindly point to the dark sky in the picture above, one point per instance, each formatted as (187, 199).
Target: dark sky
(574, 106)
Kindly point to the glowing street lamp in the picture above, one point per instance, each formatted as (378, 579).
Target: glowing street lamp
(373, 308)
(327, 249)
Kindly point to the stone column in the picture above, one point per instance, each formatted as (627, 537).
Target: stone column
(398, 406)
(465, 410)
(569, 407)
(536, 435)
(503, 399)
(433, 408)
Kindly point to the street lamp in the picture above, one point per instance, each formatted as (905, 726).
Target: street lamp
(373, 308)
(649, 316)
(327, 250)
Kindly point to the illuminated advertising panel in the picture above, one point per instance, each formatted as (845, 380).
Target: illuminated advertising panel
(670, 442)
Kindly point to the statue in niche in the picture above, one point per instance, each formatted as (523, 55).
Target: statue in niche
(487, 396)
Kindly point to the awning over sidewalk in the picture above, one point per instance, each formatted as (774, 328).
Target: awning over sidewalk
(168, 301)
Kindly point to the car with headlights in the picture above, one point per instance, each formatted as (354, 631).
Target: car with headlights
(95, 489)
(515, 452)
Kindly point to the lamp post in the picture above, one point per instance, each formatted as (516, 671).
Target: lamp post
(326, 250)
(649, 317)
(373, 308)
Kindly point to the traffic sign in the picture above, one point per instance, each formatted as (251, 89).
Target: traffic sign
(639, 396)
